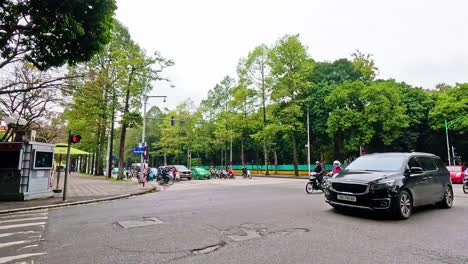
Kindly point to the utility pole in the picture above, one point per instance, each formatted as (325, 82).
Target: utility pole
(67, 169)
(143, 132)
(308, 142)
(448, 146)
(447, 126)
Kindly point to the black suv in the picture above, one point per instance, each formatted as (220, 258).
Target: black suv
(392, 182)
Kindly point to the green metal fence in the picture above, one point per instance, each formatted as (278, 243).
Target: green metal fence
(286, 167)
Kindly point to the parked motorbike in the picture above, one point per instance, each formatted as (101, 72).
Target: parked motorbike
(316, 182)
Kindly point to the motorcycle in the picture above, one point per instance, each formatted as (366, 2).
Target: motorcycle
(247, 175)
(166, 179)
(465, 184)
(316, 182)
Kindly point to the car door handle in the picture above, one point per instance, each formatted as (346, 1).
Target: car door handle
(430, 178)
(424, 178)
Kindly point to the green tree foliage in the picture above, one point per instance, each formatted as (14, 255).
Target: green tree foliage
(51, 33)
(451, 105)
(365, 63)
(364, 113)
(290, 66)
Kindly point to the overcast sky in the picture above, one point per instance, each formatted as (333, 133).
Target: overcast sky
(421, 42)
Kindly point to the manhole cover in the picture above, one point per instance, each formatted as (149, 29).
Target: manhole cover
(146, 221)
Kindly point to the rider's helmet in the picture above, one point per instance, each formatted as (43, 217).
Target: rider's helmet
(317, 162)
(336, 163)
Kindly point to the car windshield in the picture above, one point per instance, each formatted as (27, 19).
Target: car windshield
(453, 169)
(377, 163)
(180, 167)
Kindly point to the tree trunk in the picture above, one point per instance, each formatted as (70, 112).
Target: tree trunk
(92, 164)
(242, 151)
(102, 145)
(295, 160)
(111, 149)
(123, 135)
(265, 153)
(97, 153)
(276, 162)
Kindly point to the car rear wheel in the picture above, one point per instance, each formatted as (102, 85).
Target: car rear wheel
(403, 206)
(447, 201)
(189, 178)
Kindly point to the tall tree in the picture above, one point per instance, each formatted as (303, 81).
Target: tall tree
(290, 66)
(255, 72)
(51, 33)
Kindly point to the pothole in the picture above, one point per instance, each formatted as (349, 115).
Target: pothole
(249, 234)
(145, 221)
(208, 249)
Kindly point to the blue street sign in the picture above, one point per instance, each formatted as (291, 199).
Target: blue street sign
(138, 150)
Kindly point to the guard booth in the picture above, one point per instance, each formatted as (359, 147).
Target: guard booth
(25, 170)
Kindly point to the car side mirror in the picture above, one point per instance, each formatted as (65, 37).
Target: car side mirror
(416, 170)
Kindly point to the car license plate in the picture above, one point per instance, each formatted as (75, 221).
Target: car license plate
(346, 198)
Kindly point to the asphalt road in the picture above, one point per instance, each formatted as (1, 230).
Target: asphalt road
(249, 221)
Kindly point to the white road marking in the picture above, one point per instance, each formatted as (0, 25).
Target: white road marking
(27, 212)
(22, 256)
(9, 244)
(30, 246)
(23, 219)
(23, 215)
(18, 233)
(22, 225)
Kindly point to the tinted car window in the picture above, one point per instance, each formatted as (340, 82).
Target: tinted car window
(413, 163)
(454, 169)
(377, 163)
(427, 163)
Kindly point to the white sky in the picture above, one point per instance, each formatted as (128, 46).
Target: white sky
(421, 42)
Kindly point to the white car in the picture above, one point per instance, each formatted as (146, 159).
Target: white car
(183, 172)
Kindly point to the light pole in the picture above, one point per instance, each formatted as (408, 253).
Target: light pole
(308, 142)
(143, 132)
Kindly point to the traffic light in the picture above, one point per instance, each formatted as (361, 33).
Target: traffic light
(145, 153)
(172, 121)
(75, 139)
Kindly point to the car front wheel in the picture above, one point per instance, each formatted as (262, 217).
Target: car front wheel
(403, 205)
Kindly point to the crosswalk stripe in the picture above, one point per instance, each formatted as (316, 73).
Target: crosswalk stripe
(21, 225)
(19, 233)
(9, 244)
(23, 219)
(23, 215)
(30, 246)
(27, 212)
(22, 256)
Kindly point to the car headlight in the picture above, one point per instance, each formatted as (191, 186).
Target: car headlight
(382, 184)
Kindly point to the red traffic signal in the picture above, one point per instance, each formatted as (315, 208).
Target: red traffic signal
(75, 139)
(145, 153)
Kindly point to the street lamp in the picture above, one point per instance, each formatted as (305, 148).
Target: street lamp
(145, 100)
(447, 126)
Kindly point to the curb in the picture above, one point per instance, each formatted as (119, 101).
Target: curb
(67, 204)
(280, 176)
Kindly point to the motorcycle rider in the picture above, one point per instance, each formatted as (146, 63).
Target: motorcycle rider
(319, 170)
(244, 171)
(336, 167)
(318, 167)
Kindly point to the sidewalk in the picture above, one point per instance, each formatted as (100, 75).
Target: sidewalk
(83, 188)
